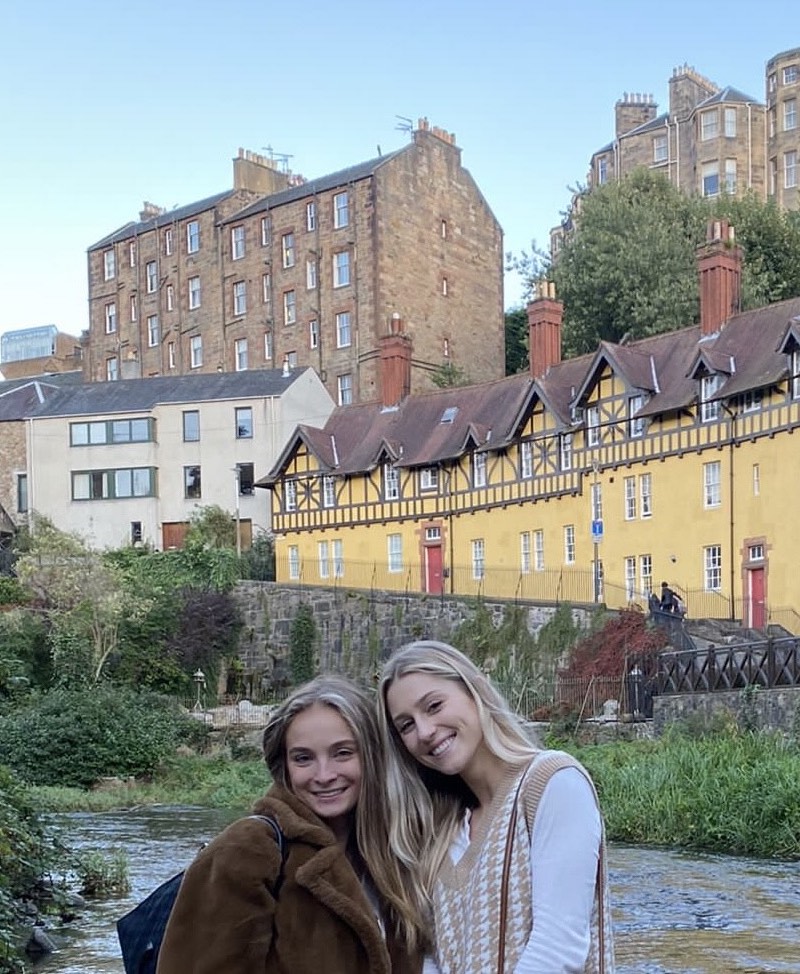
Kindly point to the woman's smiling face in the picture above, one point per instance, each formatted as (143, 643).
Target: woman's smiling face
(437, 720)
(324, 764)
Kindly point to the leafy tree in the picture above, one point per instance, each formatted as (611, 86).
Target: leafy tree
(630, 267)
(448, 376)
(605, 650)
(212, 525)
(516, 341)
(302, 644)
(84, 598)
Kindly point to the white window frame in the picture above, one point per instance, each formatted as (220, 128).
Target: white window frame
(311, 216)
(593, 436)
(290, 496)
(789, 114)
(192, 236)
(311, 273)
(569, 544)
(341, 210)
(630, 578)
(730, 123)
(168, 242)
(709, 406)
(526, 460)
(645, 495)
(111, 317)
(289, 307)
(153, 331)
(394, 552)
(196, 351)
(429, 478)
(709, 179)
(646, 575)
(660, 148)
(344, 388)
(267, 346)
(195, 292)
(712, 484)
(525, 552)
(132, 254)
(712, 568)
(790, 169)
(344, 335)
(323, 563)
(134, 312)
(794, 365)
(478, 469)
(313, 333)
(170, 299)
(171, 355)
(328, 491)
(602, 171)
(151, 277)
(240, 354)
(237, 242)
(635, 426)
(239, 290)
(709, 125)
(109, 265)
(565, 452)
(538, 550)
(294, 562)
(337, 553)
(287, 250)
(341, 268)
(629, 484)
(266, 231)
(478, 548)
(790, 74)
(112, 369)
(391, 482)
(756, 480)
(266, 289)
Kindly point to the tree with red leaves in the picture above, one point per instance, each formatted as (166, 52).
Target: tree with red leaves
(605, 651)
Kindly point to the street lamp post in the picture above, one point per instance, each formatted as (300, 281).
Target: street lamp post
(237, 486)
(200, 682)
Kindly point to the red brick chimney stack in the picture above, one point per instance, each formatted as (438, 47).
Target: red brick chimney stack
(395, 350)
(545, 314)
(719, 264)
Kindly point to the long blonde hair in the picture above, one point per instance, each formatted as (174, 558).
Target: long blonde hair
(426, 807)
(357, 709)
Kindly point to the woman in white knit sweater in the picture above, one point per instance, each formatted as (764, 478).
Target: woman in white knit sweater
(459, 764)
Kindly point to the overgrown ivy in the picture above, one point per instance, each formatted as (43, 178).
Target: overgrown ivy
(302, 644)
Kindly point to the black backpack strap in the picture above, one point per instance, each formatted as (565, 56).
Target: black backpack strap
(280, 839)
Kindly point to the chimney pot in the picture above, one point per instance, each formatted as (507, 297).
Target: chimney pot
(719, 265)
(545, 314)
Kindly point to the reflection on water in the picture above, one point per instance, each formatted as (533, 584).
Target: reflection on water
(674, 913)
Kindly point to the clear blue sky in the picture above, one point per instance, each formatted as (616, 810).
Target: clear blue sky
(103, 106)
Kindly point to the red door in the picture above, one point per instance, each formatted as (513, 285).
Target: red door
(433, 569)
(758, 614)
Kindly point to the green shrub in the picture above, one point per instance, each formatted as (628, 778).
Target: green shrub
(12, 592)
(100, 874)
(75, 737)
(302, 640)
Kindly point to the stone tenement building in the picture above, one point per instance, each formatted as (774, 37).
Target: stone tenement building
(711, 140)
(280, 271)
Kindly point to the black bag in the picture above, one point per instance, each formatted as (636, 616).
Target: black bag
(141, 931)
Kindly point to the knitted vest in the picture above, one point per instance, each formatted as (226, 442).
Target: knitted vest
(467, 894)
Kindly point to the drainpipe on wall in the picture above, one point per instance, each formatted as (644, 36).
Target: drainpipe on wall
(731, 519)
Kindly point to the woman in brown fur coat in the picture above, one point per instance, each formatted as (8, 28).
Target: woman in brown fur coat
(341, 906)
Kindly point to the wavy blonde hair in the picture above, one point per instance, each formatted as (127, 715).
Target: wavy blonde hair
(357, 709)
(425, 806)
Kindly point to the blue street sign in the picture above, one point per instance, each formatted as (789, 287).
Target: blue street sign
(597, 530)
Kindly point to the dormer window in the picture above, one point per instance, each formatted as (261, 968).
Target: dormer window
(709, 407)
(795, 366)
(429, 478)
(525, 460)
(479, 470)
(290, 495)
(391, 482)
(635, 426)
(593, 426)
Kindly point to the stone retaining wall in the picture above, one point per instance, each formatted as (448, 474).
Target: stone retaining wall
(777, 708)
(357, 629)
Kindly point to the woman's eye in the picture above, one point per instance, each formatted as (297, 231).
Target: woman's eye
(344, 753)
(405, 726)
(433, 706)
(301, 759)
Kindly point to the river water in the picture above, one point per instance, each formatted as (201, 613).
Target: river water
(674, 913)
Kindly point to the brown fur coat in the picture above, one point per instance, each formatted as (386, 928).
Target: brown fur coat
(225, 920)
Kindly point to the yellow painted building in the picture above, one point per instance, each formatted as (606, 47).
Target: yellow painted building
(593, 479)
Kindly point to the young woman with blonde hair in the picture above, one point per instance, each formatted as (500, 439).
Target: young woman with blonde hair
(507, 838)
(337, 904)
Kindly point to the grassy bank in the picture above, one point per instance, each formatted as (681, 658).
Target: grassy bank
(212, 782)
(734, 793)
